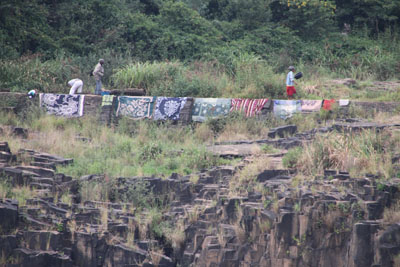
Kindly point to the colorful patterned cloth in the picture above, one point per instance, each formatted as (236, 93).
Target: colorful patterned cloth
(136, 107)
(169, 108)
(107, 100)
(63, 105)
(328, 104)
(286, 108)
(205, 108)
(250, 107)
(310, 105)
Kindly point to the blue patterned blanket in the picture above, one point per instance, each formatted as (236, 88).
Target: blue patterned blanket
(169, 108)
(63, 105)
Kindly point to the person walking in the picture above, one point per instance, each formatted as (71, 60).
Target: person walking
(76, 84)
(98, 73)
(290, 90)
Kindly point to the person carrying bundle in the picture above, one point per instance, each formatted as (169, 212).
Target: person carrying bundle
(290, 90)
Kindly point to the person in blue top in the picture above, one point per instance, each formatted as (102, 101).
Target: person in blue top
(290, 90)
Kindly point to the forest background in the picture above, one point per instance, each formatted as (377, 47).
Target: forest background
(207, 48)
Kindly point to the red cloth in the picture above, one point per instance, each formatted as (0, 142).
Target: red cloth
(290, 90)
(248, 106)
(328, 104)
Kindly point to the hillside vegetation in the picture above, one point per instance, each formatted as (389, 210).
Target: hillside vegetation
(202, 48)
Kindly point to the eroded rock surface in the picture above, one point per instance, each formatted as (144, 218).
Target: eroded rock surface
(332, 220)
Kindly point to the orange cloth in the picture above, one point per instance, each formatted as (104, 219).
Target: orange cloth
(328, 104)
(290, 90)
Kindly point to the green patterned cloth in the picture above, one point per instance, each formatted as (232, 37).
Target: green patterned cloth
(286, 108)
(136, 107)
(204, 108)
(107, 100)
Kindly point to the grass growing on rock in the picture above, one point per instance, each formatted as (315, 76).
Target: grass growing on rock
(367, 152)
(143, 148)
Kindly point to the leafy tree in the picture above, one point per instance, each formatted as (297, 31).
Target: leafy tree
(310, 19)
(23, 27)
(377, 15)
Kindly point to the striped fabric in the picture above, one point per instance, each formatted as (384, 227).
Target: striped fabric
(250, 107)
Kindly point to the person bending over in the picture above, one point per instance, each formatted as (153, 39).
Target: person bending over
(76, 85)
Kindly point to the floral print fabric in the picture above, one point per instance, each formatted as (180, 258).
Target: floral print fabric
(310, 105)
(169, 108)
(135, 107)
(286, 108)
(204, 108)
(63, 105)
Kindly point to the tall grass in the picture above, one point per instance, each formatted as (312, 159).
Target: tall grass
(230, 73)
(357, 153)
(151, 149)
(146, 75)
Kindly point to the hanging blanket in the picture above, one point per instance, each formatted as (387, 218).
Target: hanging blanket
(328, 104)
(204, 108)
(250, 107)
(169, 108)
(136, 107)
(286, 108)
(63, 105)
(310, 105)
(107, 100)
(344, 102)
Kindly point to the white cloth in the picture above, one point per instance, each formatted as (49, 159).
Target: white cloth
(76, 84)
(344, 102)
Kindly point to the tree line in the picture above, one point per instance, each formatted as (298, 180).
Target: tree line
(188, 29)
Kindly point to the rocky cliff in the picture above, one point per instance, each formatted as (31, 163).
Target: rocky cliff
(328, 220)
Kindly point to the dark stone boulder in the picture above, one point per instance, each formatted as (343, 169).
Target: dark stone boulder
(357, 127)
(29, 258)
(9, 216)
(120, 255)
(362, 247)
(389, 244)
(20, 132)
(42, 172)
(42, 240)
(4, 146)
(7, 244)
(88, 250)
(282, 131)
(6, 157)
(272, 174)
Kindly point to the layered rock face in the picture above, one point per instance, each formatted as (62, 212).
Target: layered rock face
(332, 220)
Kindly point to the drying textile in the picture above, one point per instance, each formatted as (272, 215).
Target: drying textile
(310, 105)
(136, 107)
(63, 105)
(328, 104)
(107, 100)
(169, 108)
(250, 107)
(286, 108)
(344, 102)
(205, 108)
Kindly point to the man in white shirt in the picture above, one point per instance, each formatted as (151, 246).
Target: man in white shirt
(76, 84)
(290, 90)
